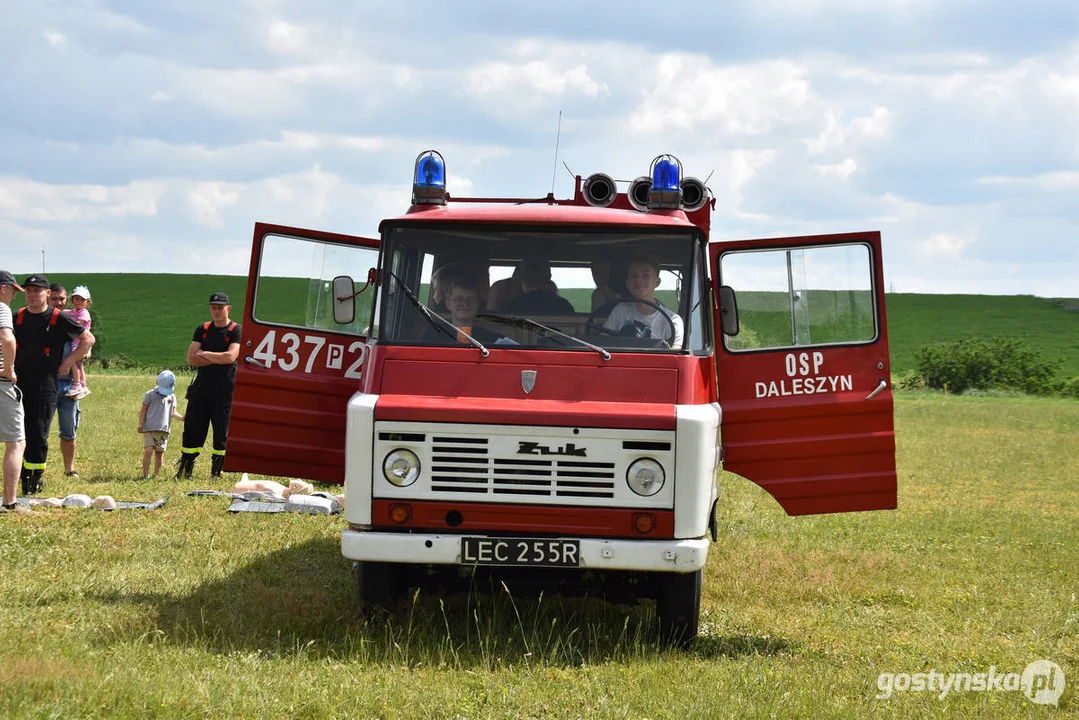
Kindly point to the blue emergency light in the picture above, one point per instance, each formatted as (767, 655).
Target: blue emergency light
(666, 189)
(429, 180)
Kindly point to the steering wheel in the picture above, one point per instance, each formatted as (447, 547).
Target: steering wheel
(605, 309)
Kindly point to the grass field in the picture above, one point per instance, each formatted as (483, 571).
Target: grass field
(192, 612)
(150, 318)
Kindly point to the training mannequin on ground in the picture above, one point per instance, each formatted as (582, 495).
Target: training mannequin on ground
(294, 487)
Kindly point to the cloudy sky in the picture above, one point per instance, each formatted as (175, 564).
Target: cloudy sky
(146, 136)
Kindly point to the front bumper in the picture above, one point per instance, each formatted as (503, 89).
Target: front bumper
(595, 554)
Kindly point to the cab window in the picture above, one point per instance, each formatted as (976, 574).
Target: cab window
(295, 279)
(545, 288)
(821, 295)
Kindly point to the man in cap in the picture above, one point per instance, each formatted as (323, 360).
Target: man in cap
(12, 430)
(213, 350)
(42, 332)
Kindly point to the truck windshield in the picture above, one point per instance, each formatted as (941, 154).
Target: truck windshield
(566, 289)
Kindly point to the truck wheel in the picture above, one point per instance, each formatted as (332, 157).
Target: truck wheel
(380, 586)
(678, 606)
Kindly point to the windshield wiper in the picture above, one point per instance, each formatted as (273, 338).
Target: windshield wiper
(431, 316)
(521, 321)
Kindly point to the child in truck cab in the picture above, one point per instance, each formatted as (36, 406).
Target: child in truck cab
(649, 317)
(463, 300)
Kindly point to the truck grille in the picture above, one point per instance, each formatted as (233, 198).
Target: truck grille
(464, 465)
(523, 464)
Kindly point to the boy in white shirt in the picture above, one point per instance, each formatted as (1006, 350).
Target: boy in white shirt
(641, 319)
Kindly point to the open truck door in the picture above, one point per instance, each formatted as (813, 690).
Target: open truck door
(803, 370)
(304, 341)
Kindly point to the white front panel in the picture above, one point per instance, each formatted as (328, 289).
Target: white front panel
(520, 464)
(359, 427)
(697, 461)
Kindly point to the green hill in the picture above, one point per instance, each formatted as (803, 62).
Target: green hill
(1050, 326)
(150, 318)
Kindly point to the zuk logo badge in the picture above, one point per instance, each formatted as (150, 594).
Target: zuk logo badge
(532, 448)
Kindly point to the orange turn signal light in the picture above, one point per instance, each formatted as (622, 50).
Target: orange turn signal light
(644, 522)
(400, 513)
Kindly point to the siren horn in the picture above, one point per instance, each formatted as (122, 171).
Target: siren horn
(638, 192)
(599, 190)
(694, 194)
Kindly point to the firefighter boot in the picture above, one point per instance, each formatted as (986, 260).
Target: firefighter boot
(185, 465)
(217, 462)
(32, 482)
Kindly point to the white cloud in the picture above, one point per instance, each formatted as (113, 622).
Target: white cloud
(283, 36)
(947, 246)
(800, 8)
(208, 199)
(1063, 180)
(54, 38)
(310, 187)
(512, 87)
(690, 93)
(239, 92)
(22, 199)
(841, 170)
(1058, 86)
(837, 137)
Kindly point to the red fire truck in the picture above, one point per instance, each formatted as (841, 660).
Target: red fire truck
(542, 390)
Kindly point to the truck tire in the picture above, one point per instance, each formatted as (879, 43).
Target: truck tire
(678, 607)
(380, 587)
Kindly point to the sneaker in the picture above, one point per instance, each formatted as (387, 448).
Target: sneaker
(72, 473)
(73, 392)
(147, 477)
(17, 509)
(83, 392)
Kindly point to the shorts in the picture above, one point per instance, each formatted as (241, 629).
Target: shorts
(67, 410)
(12, 425)
(156, 440)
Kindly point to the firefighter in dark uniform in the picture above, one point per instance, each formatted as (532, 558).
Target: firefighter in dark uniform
(213, 350)
(41, 332)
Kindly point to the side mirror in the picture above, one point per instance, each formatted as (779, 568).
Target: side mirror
(728, 310)
(344, 300)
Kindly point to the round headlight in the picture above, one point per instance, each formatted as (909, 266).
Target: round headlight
(645, 477)
(401, 467)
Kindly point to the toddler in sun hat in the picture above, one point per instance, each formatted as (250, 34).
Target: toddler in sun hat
(155, 421)
(80, 312)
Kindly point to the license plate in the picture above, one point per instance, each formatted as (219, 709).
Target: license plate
(529, 552)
